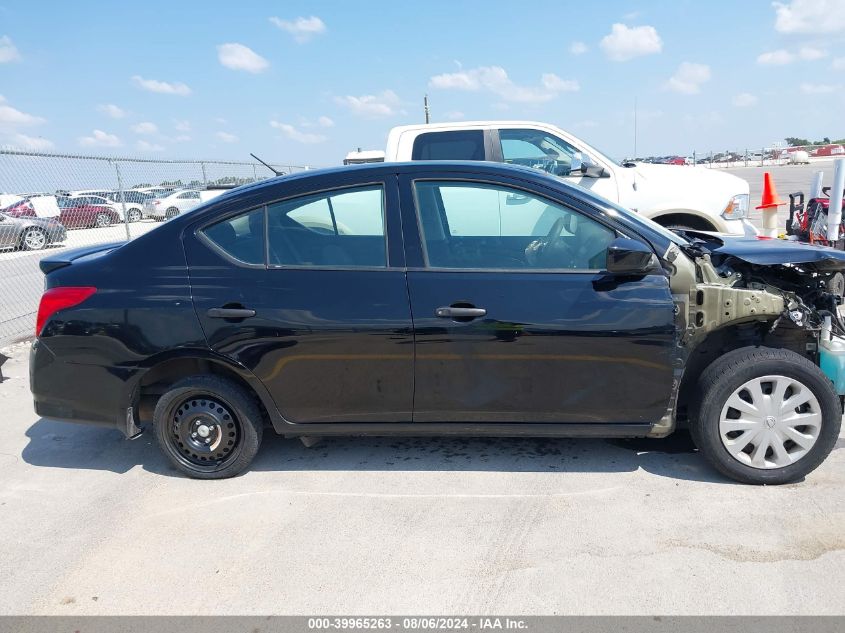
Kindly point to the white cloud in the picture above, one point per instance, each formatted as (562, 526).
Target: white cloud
(325, 121)
(182, 126)
(226, 137)
(455, 115)
(297, 135)
(811, 17)
(495, 79)
(8, 51)
(818, 89)
(810, 54)
(838, 63)
(384, 104)
(146, 146)
(578, 48)
(744, 100)
(688, 78)
(554, 83)
(779, 57)
(161, 87)
(625, 43)
(31, 143)
(99, 138)
(12, 117)
(109, 109)
(146, 127)
(182, 138)
(302, 29)
(239, 57)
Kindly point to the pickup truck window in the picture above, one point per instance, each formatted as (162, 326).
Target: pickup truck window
(457, 145)
(480, 226)
(533, 148)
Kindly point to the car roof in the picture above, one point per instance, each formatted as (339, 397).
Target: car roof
(379, 169)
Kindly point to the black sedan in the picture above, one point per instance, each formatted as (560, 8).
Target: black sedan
(442, 298)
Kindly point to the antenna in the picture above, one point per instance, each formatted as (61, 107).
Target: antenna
(425, 105)
(267, 165)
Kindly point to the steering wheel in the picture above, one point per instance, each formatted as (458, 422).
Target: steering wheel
(537, 250)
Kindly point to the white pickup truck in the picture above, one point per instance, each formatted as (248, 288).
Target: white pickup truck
(674, 196)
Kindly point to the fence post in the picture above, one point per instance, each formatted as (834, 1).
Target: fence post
(694, 162)
(254, 174)
(763, 157)
(746, 157)
(122, 200)
(204, 177)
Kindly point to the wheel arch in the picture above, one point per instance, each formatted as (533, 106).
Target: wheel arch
(164, 370)
(685, 217)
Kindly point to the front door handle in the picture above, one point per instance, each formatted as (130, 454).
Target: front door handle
(460, 313)
(230, 313)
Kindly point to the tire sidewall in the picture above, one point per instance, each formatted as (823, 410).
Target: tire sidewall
(707, 435)
(27, 247)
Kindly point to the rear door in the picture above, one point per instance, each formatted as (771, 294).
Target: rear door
(308, 292)
(515, 318)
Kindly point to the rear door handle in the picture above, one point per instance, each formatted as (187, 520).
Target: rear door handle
(230, 313)
(452, 313)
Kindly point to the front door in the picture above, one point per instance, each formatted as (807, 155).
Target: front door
(516, 321)
(310, 295)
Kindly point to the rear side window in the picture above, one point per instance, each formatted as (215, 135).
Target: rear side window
(240, 237)
(459, 145)
(339, 228)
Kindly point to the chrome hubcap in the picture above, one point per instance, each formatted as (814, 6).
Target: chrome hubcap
(770, 422)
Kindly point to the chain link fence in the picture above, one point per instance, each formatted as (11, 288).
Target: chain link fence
(755, 157)
(49, 202)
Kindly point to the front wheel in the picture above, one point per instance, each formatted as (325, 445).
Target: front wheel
(33, 239)
(208, 427)
(134, 215)
(103, 220)
(765, 416)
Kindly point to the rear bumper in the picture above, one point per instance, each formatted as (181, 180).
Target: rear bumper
(76, 392)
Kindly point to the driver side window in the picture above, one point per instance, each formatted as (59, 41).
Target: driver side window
(533, 148)
(481, 226)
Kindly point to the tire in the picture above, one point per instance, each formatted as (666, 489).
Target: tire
(33, 239)
(171, 213)
(134, 215)
(232, 422)
(742, 377)
(102, 220)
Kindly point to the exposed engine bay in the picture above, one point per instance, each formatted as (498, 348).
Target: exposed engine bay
(728, 296)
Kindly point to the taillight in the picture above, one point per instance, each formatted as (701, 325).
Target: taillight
(60, 298)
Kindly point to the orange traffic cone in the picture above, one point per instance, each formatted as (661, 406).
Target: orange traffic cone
(769, 205)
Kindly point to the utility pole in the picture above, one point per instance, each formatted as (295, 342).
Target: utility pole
(425, 105)
(635, 128)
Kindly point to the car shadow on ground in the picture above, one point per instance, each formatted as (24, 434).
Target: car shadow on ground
(62, 445)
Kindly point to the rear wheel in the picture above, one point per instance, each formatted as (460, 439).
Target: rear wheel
(103, 220)
(171, 213)
(134, 215)
(765, 416)
(33, 239)
(208, 427)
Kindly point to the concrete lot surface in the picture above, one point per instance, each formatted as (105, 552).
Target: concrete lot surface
(94, 524)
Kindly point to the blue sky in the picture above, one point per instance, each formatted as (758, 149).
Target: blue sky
(305, 82)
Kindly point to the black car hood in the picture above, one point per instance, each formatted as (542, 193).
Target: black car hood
(768, 251)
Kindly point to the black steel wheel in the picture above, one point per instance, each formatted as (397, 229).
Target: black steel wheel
(208, 427)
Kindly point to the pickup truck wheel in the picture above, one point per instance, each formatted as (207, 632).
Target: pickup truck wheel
(765, 416)
(208, 427)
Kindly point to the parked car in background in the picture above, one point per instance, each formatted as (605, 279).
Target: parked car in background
(441, 298)
(30, 233)
(169, 206)
(134, 201)
(699, 199)
(34, 206)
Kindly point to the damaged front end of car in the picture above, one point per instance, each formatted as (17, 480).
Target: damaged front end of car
(737, 292)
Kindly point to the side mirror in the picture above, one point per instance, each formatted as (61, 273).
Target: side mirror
(630, 257)
(584, 163)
